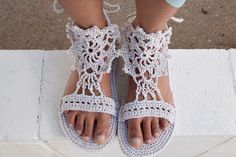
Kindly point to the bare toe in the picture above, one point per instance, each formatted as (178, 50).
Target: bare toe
(71, 118)
(135, 135)
(164, 124)
(146, 129)
(88, 130)
(155, 127)
(79, 127)
(102, 129)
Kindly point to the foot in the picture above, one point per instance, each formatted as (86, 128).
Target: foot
(145, 130)
(89, 124)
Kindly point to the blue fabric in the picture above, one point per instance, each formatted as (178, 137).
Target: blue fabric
(176, 3)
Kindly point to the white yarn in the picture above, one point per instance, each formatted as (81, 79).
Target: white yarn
(107, 7)
(131, 17)
(94, 52)
(145, 108)
(145, 56)
(145, 59)
(89, 104)
(57, 7)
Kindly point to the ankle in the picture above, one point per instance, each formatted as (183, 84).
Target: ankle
(99, 23)
(85, 22)
(148, 28)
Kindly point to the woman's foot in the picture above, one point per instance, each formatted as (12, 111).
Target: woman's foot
(145, 130)
(88, 125)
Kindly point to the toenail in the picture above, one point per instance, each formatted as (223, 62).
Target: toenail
(136, 141)
(79, 132)
(149, 141)
(166, 128)
(86, 138)
(100, 138)
(156, 134)
(70, 125)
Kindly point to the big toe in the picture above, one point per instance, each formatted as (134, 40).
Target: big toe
(135, 135)
(102, 129)
(164, 124)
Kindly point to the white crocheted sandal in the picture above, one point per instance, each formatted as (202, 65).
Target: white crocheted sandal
(94, 51)
(145, 54)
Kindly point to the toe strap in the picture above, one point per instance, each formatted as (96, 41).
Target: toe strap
(148, 108)
(88, 103)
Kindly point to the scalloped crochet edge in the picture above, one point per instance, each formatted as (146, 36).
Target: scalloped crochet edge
(146, 150)
(90, 146)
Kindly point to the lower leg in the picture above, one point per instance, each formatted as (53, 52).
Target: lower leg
(151, 15)
(85, 13)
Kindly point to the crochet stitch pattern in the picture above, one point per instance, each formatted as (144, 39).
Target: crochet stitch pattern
(145, 58)
(94, 51)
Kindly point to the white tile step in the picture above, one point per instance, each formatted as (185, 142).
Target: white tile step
(180, 146)
(32, 82)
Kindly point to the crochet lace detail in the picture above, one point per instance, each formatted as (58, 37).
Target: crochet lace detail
(145, 56)
(145, 108)
(93, 50)
(86, 103)
(145, 59)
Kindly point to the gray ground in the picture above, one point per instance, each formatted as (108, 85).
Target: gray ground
(32, 24)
